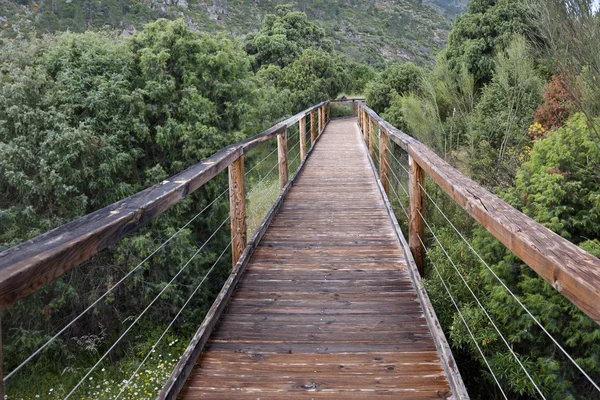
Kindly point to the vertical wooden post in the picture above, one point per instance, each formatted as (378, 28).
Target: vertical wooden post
(383, 161)
(372, 139)
(283, 158)
(417, 206)
(364, 127)
(302, 138)
(237, 209)
(328, 112)
(313, 132)
(319, 119)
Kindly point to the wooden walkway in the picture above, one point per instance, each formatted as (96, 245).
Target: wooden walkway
(326, 307)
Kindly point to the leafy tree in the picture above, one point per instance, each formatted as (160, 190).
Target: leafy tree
(316, 76)
(476, 36)
(284, 36)
(396, 79)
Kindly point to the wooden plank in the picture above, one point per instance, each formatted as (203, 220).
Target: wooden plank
(328, 279)
(570, 270)
(416, 230)
(457, 386)
(384, 162)
(282, 152)
(184, 367)
(237, 209)
(36, 262)
(302, 128)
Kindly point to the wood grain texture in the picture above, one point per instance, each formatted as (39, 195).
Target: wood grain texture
(313, 128)
(326, 307)
(319, 120)
(282, 152)
(302, 132)
(457, 386)
(372, 138)
(384, 162)
(237, 209)
(570, 270)
(186, 363)
(416, 226)
(35, 263)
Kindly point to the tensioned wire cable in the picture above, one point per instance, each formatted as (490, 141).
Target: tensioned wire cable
(99, 299)
(145, 310)
(152, 349)
(463, 319)
(569, 357)
(260, 162)
(445, 286)
(481, 305)
(511, 293)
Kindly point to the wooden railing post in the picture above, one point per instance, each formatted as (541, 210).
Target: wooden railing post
(302, 138)
(416, 230)
(237, 210)
(364, 127)
(383, 161)
(320, 119)
(313, 128)
(372, 138)
(283, 158)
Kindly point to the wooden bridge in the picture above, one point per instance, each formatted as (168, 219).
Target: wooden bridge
(325, 300)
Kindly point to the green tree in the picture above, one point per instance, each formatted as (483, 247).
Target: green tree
(487, 27)
(284, 36)
(396, 79)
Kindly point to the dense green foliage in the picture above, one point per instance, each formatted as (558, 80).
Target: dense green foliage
(87, 119)
(366, 31)
(486, 27)
(477, 109)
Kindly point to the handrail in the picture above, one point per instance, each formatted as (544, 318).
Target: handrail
(31, 265)
(570, 270)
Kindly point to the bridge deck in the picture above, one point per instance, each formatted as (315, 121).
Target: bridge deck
(326, 307)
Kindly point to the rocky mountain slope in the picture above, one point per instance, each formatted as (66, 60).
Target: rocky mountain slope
(372, 30)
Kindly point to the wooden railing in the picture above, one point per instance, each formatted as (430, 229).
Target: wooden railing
(35, 263)
(570, 270)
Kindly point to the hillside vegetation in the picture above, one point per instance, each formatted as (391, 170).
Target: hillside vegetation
(371, 31)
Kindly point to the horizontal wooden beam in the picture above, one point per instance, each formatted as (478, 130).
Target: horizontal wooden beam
(35, 263)
(570, 270)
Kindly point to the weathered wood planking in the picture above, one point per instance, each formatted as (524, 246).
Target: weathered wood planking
(302, 136)
(384, 162)
(237, 209)
(570, 270)
(416, 235)
(186, 363)
(33, 264)
(282, 152)
(326, 307)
